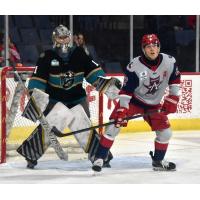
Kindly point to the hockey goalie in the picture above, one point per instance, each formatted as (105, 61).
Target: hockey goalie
(56, 86)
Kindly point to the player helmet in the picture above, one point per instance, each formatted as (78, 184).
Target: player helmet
(150, 39)
(60, 38)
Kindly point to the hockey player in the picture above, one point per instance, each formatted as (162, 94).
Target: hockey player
(146, 79)
(59, 73)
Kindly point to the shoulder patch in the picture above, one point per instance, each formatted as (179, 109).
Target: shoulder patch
(130, 67)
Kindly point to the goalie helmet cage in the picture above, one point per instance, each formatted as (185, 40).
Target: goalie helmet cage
(8, 96)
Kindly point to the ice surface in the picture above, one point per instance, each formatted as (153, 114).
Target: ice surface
(131, 164)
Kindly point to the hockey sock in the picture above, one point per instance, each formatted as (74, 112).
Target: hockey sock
(104, 146)
(160, 150)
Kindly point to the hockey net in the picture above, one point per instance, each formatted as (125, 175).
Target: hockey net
(15, 128)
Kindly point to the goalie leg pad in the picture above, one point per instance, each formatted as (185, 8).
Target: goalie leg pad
(111, 131)
(33, 147)
(42, 99)
(60, 116)
(81, 121)
(94, 144)
(36, 144)
(88, 140)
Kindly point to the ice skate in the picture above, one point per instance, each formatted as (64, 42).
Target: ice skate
(31, 163)
(97, 165)
(106, 162)
(162, 165)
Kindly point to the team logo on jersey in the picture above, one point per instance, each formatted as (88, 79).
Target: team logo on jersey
(67, 79)
(153, 85)
(55, 62)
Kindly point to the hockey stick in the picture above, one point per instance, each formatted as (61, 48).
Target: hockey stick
(44, 123)
(60, 134)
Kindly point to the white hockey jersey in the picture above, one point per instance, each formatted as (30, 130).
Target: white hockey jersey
(148, 85)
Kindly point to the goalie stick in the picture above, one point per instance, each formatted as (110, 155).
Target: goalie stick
(60, 134)
(45, 125)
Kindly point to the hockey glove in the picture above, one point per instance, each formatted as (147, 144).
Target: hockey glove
(170, 104)
(119, 118)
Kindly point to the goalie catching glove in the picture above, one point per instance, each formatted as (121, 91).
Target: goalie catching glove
(170, 104)
(109, 86)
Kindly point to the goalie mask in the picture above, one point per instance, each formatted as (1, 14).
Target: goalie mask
(61, 39)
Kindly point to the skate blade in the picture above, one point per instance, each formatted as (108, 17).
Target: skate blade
(163, 169)
(96, 168)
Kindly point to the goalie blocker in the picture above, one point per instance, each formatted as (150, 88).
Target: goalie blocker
(75, 118)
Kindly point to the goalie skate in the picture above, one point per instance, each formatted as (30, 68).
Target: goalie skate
(97, 165)
(31, 163)
(162, 165)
